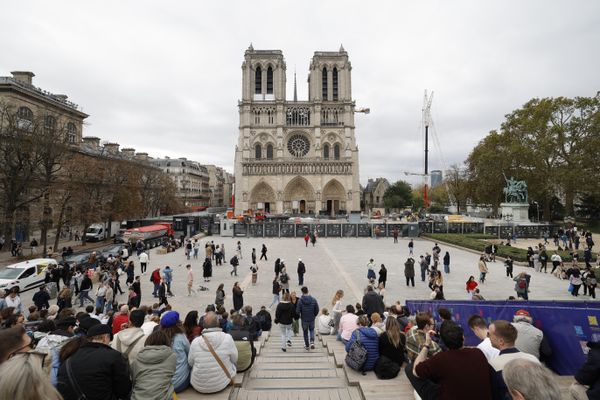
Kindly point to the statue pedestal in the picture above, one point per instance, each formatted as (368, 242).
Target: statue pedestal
(519, 211)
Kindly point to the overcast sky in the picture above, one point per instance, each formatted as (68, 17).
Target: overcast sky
(165, 77)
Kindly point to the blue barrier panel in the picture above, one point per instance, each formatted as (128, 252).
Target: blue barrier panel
(567, 325)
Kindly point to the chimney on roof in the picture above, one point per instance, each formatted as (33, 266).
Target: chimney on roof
(112, 148)
(23, 76)
(93, 141)
(141, 156)
(128, 152)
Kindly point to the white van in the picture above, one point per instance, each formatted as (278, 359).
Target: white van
(25, 275)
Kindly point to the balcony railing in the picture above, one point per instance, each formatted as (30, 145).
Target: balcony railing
(301, 166)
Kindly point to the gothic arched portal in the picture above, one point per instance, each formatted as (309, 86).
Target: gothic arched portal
(299, 196)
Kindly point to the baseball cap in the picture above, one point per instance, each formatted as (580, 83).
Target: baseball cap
(99, 329)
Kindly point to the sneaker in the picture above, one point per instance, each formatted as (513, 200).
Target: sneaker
(306, 348)
(312, 346)
(289, 343)
(283, 349)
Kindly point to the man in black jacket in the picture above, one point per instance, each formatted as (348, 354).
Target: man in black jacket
(84, 290)
(587, 379)
(301, 272)
(95, 370)
(372, 302)
(40, 299)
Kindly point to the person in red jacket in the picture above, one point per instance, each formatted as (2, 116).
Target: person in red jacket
(155, 278)
(119, 319)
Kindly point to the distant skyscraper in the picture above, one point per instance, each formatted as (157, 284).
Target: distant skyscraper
(436, 177)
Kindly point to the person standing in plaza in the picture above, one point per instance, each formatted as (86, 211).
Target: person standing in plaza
(277, 267)
(470, 287)
(522, 286)
(143, 262)
(411, 246)
(382, 275)
(196, 248)
(155, 279)
(190, 280)
(424, 267)
(371, 271)
(483, 269)
(137, 288)
(234, 264)
(284, 279)
(207, 269)
(253, 255)
(508, 263)
(395, 235)
(263, 252)
(254, 271)
(313, 238)
(301, 271)
(220, 296)
(238, 250)
(447, 263)
(168, 274)
(162, 293)
(409, 271)
(238, 297)
(306, 239)
(307, 309)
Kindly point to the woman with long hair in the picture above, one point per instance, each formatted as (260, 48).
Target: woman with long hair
(337, 308)
(220, 296)
(191, 327)
(153, 369)
(295, 324)
(238, 297)
(470, 286)
(392, 343)
(177, 339)
(284, 316)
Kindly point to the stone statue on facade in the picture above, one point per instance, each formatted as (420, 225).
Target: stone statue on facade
(515, 191)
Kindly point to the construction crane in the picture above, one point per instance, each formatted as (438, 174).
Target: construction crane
(426, 121)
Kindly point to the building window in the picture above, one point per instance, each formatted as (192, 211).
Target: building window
(257, 117)
(298, 146)
(324, 83)
(49, 125)
(257, 151)
(270, 114)
(326, 151)
(269, 152)
(258, 81)
(25, 119)
(336, 151)
(169, 164)
(270, 80)
(71, 133)
(334, 79)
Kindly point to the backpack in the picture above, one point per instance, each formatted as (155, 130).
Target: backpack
(386, 368)
(522, 284)
(357, 354)
(283, 278)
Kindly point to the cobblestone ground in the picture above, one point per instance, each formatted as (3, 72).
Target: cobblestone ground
(335, 264)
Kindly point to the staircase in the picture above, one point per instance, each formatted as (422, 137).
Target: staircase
(295, 374)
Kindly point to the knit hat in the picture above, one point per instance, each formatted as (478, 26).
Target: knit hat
(522, 313)
(66, 322)
(87, 323)
(170, 319)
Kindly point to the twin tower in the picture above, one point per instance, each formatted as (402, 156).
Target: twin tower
(297, 157)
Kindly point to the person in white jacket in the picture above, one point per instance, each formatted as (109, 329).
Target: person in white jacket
(323, 323)
(207, 375)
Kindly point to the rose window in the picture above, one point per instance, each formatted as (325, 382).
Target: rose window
(298, 146)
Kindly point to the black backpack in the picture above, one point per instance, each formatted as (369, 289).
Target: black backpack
(357, 354)
(284, 278)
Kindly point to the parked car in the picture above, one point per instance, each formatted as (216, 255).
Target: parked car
(77, 259)
(114, 249)
(25, 275)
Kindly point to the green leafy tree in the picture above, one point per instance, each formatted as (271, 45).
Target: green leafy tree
(398, 195)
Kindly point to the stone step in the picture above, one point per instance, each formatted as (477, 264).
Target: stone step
(294, 358)
(262, 365)
(295, 383)
(297, 373)
(307, 393)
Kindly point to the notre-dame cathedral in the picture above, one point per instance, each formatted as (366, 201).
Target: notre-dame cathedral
(296, 156)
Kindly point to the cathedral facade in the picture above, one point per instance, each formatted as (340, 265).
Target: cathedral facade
(295, 156)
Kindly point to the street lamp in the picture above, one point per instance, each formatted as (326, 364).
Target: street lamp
(538, 210)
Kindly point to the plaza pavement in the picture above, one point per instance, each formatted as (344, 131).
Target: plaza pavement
(331, 265)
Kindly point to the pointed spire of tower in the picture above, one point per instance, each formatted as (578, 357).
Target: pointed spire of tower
(342, 48)
(251, 48)
(295, 87)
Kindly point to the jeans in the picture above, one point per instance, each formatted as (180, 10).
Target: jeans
(156, 287)
(286, 334)
(300, 279)
(427, 390)
(482, 277)
(84, 294)
(447, 268)
(100, 302)
(423, 274)
(275, 299)
(308, 328)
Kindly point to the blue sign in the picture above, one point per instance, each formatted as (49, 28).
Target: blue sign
(567, 325)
